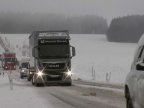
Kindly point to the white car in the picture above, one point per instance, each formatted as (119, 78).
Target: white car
(134, 86)
(24, 69)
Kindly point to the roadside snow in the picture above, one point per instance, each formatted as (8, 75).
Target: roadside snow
(22, 96)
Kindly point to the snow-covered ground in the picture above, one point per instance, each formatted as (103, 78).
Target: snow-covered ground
(105, 57)
(92, 51)
(23, 95)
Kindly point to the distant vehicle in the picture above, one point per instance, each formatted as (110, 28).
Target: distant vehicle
(24, 69)
(9, 61)
(50, 57)
(134, 86)
(0, 61)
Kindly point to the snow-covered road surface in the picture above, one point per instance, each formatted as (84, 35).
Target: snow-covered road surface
(24, 95)
(79, 97)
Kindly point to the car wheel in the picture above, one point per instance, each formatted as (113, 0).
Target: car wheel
(29, 79)
(129, 103)
(21, 77)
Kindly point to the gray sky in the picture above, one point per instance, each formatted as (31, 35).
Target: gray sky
(106, 8)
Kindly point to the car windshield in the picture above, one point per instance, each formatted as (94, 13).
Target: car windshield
(24, 65)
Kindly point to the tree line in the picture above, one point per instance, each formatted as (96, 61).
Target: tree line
(126, 29)
(28, 22)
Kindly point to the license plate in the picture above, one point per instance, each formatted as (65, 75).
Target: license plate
(54, 76)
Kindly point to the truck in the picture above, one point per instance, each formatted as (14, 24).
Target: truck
(9, 61)
(50, 57)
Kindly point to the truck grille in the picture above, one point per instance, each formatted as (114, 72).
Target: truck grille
(54, 65)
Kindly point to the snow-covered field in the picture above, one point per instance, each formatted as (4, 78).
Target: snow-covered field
(105, 57)
(92, 51)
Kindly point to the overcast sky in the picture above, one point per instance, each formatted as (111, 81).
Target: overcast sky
(105, 8)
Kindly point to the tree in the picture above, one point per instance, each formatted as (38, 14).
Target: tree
(126, 29)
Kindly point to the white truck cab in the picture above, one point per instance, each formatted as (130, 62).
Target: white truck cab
(134, 86)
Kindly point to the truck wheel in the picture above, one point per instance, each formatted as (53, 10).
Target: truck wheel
(38, 84)
(129, 103)
(33, 82)
(68, 84)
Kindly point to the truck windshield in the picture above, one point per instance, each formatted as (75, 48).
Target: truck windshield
(9, 59)
(53, 51)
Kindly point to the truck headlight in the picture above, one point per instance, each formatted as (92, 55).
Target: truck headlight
(69, 73)
(40, 73)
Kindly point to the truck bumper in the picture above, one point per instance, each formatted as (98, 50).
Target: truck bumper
(48, 80)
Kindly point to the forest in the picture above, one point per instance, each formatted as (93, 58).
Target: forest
(28, 22)
(126, 29)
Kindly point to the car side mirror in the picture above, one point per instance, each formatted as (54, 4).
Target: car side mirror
(140, 66)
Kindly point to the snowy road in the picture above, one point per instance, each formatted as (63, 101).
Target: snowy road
(26, 95)
(81, 97)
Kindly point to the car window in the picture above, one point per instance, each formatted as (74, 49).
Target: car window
(24, 65)
(140, 54)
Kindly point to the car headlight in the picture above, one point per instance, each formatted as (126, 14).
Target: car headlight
(30, 72)
(22, 70)
(40, 73)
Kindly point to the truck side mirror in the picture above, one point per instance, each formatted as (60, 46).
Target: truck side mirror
(73, 51)
(140, 66)
(28, 66)
(35, 52)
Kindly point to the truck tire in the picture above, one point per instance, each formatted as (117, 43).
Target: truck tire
(39, 84)
(33, 82)
(68, 84)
